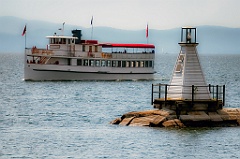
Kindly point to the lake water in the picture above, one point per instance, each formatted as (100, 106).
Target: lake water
(71, 119)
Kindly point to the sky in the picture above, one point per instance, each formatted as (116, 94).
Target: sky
(127, 14)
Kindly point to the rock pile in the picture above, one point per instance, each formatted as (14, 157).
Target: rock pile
(168, 118)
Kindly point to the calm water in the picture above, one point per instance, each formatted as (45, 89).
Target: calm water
(71, 119)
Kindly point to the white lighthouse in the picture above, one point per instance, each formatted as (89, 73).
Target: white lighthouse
(188, 90)
(188, 71)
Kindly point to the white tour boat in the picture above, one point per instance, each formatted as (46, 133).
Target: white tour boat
(70, 58)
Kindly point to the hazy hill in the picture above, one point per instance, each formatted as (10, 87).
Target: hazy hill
(212, 39)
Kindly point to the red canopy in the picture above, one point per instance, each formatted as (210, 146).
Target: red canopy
(128, 45)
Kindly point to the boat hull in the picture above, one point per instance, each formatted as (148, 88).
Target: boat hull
(41, 74)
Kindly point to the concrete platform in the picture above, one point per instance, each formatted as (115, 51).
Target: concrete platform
(188, 105)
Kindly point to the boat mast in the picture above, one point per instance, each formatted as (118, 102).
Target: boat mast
(63, 29)
(92, 27)
(147, 33)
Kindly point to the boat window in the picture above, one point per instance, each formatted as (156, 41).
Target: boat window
(141, 64)
(53, 41)
(79, 62)
(63, 41)
(69, 61)
(91, 62)
(103, 63)
(133, 64)
(119, 64)
(123, 63)
(97, 63)
(83, 48)
(146, 63)
(108, 63)
(127, 63)
(96, 48)
(150, 63)
(90, 48)
(85, 62)
(136, 64)
(113, 63)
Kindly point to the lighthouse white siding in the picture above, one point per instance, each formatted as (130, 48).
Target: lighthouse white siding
(188, 72)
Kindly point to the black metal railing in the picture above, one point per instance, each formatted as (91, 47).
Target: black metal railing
(216, 92)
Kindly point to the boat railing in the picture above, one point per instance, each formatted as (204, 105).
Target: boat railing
(125, 52)
(38, 51)
(129, 49)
